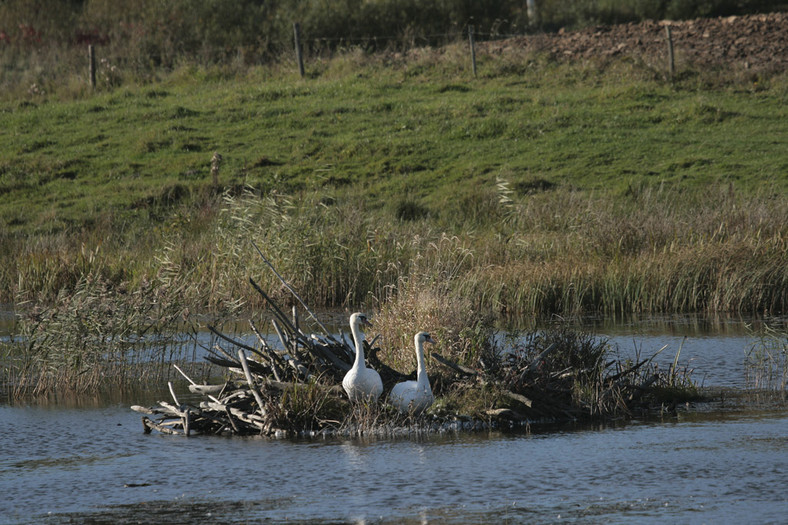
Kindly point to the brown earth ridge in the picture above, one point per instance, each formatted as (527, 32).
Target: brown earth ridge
(756, 43)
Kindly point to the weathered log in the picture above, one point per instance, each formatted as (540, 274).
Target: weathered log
(273, 356)
(201, 414)
(151, 425)
(232, 396)
(213, 405)
(187, 422)
(455, 366)
(250, 380)
(232, 412)
(171, 410)
(518, 397)
(172, 393)
(206, 390)
(282, 337)
(505, 413)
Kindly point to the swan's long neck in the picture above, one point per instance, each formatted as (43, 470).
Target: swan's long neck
(421, 374)
(358, 338)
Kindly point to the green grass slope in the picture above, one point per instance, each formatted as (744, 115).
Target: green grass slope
(521, 163)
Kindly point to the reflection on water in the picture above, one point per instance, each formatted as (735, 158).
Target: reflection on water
(678, 325)
(97, 465)
(90, 462)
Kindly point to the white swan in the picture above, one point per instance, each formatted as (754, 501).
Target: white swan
(416, 395)
(361, 383)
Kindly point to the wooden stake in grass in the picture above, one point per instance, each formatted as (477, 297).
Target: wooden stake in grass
(297, 39)
(473, 50)
(216, 161)
(671, 63)
(92, 65)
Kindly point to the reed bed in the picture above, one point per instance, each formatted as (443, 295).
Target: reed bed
(572, 254)
(535, 254)
(95, 338)
(554, 253)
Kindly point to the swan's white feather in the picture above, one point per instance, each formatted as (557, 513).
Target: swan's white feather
(361, 383)
(414, 396)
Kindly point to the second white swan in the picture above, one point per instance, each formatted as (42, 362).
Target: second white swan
(415, 396)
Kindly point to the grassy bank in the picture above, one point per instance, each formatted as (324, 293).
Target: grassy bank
(535, 188)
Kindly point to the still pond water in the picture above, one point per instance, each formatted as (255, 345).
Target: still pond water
(715, 464)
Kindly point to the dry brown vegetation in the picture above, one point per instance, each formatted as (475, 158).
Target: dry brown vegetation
(479, 380)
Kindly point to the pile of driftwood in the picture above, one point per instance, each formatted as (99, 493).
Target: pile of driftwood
(558, 375)
(251, 402)
(564, 375)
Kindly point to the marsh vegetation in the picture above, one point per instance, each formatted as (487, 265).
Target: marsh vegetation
(393, 182)
(480, 381)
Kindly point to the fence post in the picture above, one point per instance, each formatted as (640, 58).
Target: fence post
(297, 38)
(530, 6)
(671, 63)
(92, 65)
(473, 49)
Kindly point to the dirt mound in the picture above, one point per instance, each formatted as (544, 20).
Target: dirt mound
(756, 42)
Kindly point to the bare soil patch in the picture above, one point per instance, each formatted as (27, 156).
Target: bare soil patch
(756, 42)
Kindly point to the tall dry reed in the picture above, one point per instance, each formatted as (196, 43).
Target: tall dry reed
(96, 337)
(766, 361)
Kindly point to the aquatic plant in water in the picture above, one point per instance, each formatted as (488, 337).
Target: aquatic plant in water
(766, 361)
(95, 337)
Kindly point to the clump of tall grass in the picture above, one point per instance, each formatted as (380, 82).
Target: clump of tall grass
(332, 253)
(424, 299)
(654, 251)
(766, 361)
(307, 408)
(96, 337)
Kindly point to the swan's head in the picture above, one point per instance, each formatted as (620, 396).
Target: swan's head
(424, 337)
(359, 319)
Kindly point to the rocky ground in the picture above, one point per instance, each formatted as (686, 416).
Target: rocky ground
(758, 43)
